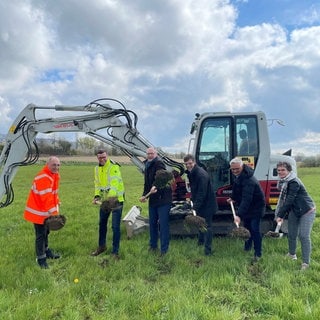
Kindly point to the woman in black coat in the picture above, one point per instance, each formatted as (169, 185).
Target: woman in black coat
(296, 203)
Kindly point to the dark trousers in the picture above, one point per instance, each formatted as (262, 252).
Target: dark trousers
(205, 238)
(42, 233)
(103, 227)
(159, 219)
(253, 225)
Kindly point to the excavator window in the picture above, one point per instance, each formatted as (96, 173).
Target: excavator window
(220, 139)
(214, 149)
(247, 136)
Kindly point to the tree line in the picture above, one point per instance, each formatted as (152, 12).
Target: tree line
(88, 146)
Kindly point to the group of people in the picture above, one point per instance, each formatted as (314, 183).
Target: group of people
(294, 203)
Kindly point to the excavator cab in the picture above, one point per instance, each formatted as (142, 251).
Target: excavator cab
(222, 136)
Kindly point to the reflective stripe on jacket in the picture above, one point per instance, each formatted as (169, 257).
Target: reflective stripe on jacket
(108, 181)
(43, 198)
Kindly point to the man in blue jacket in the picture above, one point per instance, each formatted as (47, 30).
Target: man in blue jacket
(249, 198)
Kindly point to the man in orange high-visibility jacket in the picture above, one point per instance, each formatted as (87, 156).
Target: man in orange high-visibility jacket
(43, 201)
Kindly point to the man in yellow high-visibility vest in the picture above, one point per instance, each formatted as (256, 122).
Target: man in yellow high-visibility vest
(108, 183)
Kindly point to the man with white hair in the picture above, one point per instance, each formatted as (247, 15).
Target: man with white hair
(249, 198)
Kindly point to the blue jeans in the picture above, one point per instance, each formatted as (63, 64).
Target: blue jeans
(103, 227)
(253, 225)
(300, 227)
(159, 221)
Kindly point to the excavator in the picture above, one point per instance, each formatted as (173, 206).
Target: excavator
(215, 141)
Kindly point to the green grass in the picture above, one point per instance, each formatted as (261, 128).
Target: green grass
(183, 285)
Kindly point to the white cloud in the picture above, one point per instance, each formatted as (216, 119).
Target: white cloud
(24, 41)
(166, 60)
(307, 144)
(310, 16)
(4, 110)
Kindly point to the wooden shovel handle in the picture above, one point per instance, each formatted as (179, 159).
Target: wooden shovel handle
(149, 193)
(278, 227)
(193, 211)
(233, 213)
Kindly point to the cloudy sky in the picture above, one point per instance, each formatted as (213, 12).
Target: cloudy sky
(167, 60)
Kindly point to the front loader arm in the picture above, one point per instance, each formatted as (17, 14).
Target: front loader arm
(116, 127)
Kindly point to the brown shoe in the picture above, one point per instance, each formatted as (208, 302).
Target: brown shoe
(98, 251)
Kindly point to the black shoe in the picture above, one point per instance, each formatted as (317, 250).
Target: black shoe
(51, 255)
(43, 263)
(98, 251)
(255, 259)
(115, 256)
(163, 253)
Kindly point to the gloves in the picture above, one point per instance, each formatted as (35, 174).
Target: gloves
(96, 200)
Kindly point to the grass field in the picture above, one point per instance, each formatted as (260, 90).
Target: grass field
(183, 285)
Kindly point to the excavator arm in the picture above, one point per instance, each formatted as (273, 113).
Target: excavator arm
(113, 126)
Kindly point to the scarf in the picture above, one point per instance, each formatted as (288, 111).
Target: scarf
(283, 186)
